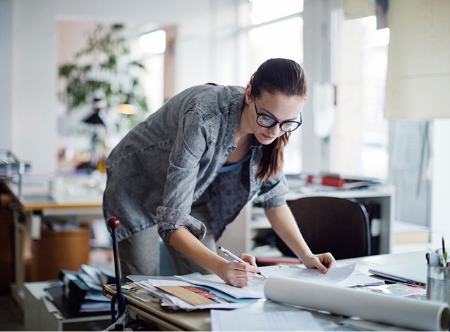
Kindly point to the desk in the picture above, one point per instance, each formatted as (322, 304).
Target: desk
(195, 321)
(77, 197)
(363, 264)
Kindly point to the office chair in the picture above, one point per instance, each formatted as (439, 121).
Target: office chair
(330, 224)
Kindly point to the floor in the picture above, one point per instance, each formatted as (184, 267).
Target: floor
(11, 317)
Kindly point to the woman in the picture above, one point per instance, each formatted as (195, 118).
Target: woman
(193, 165)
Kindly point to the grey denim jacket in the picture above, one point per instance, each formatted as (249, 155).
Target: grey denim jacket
(166, 162)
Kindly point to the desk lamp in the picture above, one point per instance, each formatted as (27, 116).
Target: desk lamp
(97, 119)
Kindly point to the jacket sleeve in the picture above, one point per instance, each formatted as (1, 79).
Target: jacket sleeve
(189, 146)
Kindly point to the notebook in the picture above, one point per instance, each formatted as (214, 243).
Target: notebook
(408, 273)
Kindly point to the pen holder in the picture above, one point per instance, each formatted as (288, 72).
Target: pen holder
(438, 284)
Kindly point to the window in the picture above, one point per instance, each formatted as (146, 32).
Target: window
(359, 143)
(360, 140)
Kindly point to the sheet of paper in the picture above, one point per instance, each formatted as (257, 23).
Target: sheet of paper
(187, 295)
(333, 276)
(256, 287)
(165, 282)
(370, 326)
(254, 290)
(359, 279)
(240, 320)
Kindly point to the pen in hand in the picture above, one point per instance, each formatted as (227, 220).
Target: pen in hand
(236, 258)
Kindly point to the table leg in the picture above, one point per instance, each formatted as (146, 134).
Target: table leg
(19, 264)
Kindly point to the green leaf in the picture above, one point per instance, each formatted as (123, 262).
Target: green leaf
(66, 70)
(137, 64)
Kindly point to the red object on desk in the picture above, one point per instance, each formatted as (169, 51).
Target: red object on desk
(277, 261)
(342, 182)
(326, 181)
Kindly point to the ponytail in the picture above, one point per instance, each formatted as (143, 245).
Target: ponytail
(277, 76)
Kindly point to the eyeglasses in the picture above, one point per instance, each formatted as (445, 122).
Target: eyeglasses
(268, 121)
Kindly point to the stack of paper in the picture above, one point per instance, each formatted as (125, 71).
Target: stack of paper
(94, 300)
(197, 291)
(178, 294)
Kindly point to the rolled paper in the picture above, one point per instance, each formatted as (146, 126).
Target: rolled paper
(388, 309)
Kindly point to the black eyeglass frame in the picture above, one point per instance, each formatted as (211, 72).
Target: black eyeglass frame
(275, 121)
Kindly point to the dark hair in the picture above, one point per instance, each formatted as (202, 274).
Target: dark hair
(277, 76)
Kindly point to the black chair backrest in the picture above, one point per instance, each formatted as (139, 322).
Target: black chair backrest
(330, 224)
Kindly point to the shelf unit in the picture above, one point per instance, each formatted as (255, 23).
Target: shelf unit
(40, 314)
(239, 234)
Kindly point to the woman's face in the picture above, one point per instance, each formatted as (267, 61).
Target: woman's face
(278, 107)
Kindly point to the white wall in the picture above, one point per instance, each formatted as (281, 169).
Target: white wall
(28, 125)
(440, 219)
(5, 74)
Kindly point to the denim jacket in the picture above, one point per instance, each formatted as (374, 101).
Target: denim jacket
(167, 162)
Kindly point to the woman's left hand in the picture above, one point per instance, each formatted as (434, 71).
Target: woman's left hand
(322, 262)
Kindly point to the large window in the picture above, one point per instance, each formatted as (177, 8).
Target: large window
(359, 142)
(360, 139)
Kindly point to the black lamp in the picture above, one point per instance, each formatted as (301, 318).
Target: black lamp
(98, 115)
(96, 119)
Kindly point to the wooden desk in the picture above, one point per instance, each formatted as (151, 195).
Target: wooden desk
(199, 321)
(179, 321)
(37, 199)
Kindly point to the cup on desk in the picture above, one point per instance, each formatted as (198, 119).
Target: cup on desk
(438, 284)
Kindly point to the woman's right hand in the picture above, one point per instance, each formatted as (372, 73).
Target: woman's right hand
(239, 274)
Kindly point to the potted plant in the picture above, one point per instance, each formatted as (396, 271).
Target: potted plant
(103, 75)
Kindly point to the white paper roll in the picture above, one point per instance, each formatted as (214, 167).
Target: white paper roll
(383, 308)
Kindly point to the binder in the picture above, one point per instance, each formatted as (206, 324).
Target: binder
(74, 289)
(341, 182)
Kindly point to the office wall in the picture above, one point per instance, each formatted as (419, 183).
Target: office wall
(5, 73)
(33, 58)
(441, 179)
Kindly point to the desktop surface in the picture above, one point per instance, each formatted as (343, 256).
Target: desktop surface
(200, 320)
